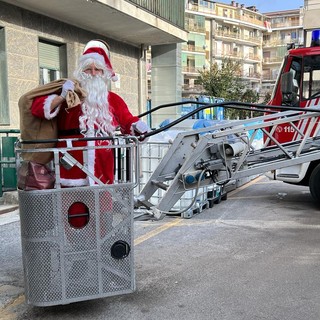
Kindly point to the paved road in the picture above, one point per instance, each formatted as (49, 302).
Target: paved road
(254, 256)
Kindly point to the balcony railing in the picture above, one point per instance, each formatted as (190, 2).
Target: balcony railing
(272, 59)
(236, 36)
(253, 75)
(192, 48)
(285, 24)
(279, 42)
(195, 28)
(268, 77)
(172, 11)
(228, 54)
(191, 69)
(196, 88)
(237, 55)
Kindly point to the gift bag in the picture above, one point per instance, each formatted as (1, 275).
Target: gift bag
(35, 176)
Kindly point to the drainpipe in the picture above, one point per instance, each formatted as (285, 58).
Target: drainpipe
(142, 81)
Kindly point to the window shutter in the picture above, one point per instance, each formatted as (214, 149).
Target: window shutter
(49, 57)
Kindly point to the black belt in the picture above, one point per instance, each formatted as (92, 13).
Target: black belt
(69, 132)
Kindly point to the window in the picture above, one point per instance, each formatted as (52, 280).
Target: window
(52, 61)
(4, 101)
(311, 77)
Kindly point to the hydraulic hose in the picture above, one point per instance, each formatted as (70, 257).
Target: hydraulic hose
(263, 108)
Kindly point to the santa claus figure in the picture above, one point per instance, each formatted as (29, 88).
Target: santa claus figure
(98, 115)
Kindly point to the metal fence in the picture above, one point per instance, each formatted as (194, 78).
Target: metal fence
(8, 176)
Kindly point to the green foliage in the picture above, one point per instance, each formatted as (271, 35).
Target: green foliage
(224, 81)
(267, 98)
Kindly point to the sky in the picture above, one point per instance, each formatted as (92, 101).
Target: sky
(269, 5)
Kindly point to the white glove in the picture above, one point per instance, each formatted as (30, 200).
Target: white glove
(139, 128)
(67, 86)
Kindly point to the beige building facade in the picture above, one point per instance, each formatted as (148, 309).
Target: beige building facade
(259, 41)
(285, 29)
(228, 30)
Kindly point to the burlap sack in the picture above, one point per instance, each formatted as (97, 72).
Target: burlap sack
(33, 128)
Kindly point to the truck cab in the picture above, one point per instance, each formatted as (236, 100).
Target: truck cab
(298, 85)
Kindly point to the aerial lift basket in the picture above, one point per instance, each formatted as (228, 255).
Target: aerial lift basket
(77, 242)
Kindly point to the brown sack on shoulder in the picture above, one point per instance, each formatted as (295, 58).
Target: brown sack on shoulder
(33, 128)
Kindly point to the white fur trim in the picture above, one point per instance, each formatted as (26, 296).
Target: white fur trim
(94, 56)
(74, 182)
(46, 108)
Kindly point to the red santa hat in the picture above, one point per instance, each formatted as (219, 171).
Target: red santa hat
(99, 50)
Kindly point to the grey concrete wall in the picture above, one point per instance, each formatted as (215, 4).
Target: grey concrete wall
(22, 31)
(166, 80)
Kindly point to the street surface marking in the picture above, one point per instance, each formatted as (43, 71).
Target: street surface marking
(156, 231)
(6, 311)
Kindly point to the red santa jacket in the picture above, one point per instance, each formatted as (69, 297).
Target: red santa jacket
(100, 162)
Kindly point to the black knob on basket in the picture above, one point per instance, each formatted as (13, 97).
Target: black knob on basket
(120, 249)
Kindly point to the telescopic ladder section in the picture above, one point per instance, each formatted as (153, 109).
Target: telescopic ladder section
(222, 153)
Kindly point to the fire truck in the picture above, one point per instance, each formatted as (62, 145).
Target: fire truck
(298, 85)
(217, 156)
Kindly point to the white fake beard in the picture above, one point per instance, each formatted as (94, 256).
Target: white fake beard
(96, 119)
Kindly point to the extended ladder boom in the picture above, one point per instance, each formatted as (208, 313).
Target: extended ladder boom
(226, 152)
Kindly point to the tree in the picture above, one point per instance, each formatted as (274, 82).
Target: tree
(224, 81)
(267, 98)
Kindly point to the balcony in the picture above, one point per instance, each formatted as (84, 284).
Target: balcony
(227, 54)
(289, 24)
(192, 89)
(279, 43)
(252, 76)
(172, 11)
(270, 75)
(272, 60)
(195, 24)
(237, 55)
(191, 69)
(195, 28)
(231, 13)
(250, 19)
(151, 22)
(236, 37)
(192, 48)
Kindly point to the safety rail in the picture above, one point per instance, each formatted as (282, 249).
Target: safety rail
(124, 150)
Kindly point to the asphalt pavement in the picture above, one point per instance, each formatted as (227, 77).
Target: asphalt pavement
(254, 256)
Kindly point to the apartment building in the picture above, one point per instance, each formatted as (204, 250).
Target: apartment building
(285, 29)
(258, 41)
(230, 30)
(41, 41)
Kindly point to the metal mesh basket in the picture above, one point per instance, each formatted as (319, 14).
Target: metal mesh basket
(77, 243)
